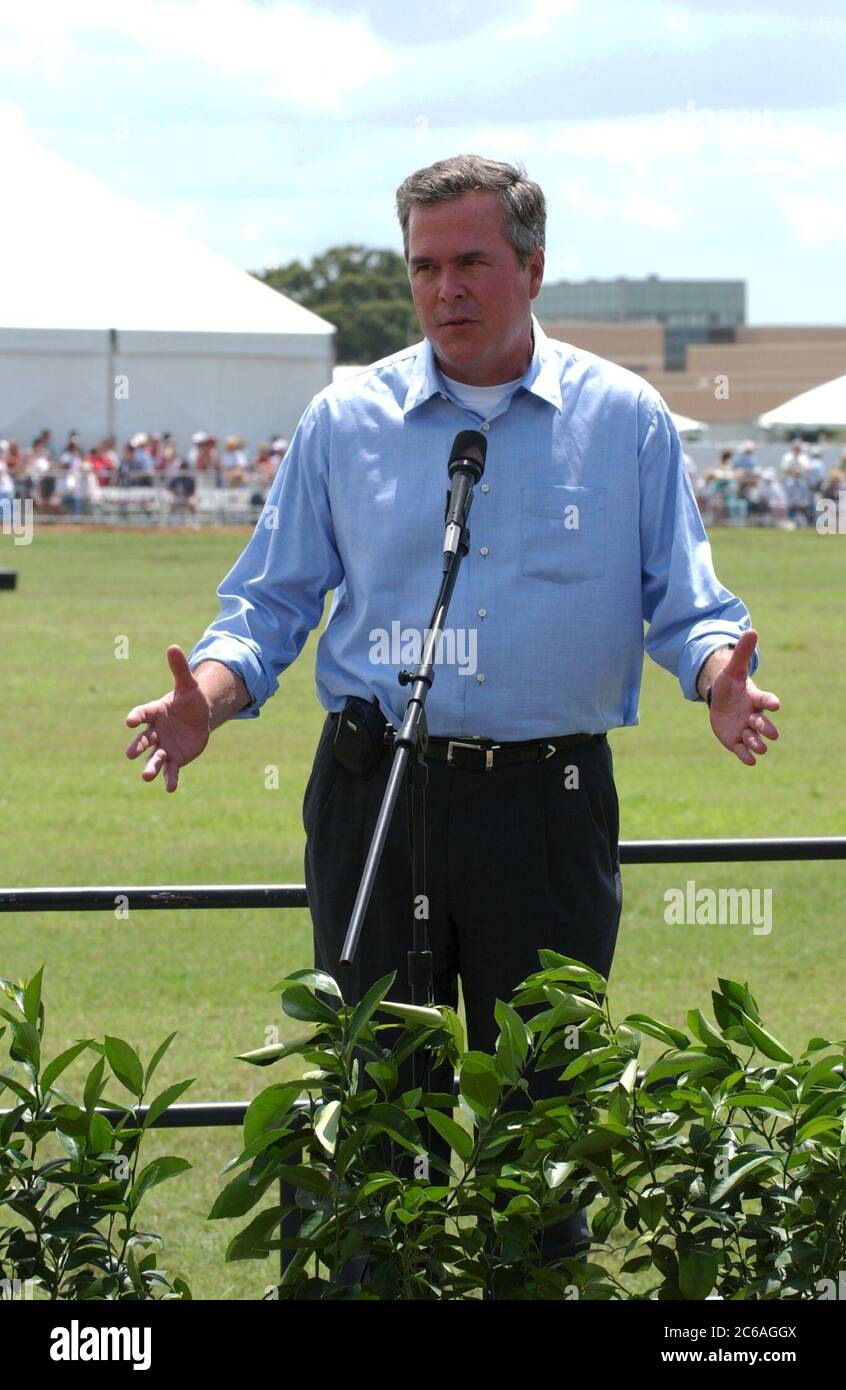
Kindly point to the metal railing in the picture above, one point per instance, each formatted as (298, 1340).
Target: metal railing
(212, 1114)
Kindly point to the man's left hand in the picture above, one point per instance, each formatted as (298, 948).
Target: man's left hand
(737, 705)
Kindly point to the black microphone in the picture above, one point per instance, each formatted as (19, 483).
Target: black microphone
(466, 466)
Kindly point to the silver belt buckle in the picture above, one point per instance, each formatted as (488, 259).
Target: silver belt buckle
(459, 743)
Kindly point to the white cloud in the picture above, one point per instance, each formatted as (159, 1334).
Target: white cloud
(294, 52)
(815, 219)
(581, 198)
(648, 212)
(540, 20)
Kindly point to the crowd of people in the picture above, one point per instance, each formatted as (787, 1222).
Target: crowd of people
(739, 492)
(69, 480)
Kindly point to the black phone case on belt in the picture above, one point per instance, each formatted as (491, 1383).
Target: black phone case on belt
(360, 736)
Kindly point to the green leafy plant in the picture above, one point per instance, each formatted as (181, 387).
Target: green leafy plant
(69, 1176)
(716, 1171)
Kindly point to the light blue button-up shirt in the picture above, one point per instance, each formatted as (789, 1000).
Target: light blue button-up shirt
(586, 528)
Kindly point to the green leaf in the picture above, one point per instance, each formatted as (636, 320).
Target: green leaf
(32, 998)
(662, 1031)
(157, 1057)
(739, 994)
(318, 979)
(757, 1100)
(765, 1041)
(513, 1027)
(26, 1046)
(392, 1120)
(306, 1176)
(607, 1136)
(650, 1208)
(449, 1129)
(558, 967)
(592, 1058)
(418, 1015)
(605, 1219)
(326, 1122)
(629, 1076)
(94, 1084)
(479, 1084)
(702, 1030)
(365, 1009)
(64, 1059)
(299, 1002)
(100, 1134)
(251, 1243)
(697, 1273)
(166, 1099)
(821, 1124)
(16, 1086)
(681, 1064)
(744, 1168)
(270, 1104)
(167, 1166)
(823, 1070)
(556, 1172)
(240, 1195)
(264, 1056)
(126, 1064)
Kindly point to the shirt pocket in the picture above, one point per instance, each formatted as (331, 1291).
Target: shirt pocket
(563, 533)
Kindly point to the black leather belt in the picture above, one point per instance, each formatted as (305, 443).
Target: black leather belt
(483, 755)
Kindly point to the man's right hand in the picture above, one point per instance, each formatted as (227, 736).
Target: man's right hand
(177, 724)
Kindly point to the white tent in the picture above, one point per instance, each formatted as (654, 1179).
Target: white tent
(112, 321)
(684, 424)
(822, 407)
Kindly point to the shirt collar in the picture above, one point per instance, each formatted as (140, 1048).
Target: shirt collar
(542, 376)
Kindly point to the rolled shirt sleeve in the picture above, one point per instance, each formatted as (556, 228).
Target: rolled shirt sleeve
(273, 596)
(689, 612)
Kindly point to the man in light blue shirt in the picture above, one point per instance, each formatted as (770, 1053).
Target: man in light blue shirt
(584, 527)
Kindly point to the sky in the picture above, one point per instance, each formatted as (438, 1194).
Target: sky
(698, 140)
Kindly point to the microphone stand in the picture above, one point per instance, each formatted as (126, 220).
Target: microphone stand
(412, 738)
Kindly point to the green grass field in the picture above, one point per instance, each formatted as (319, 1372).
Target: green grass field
(73, 810)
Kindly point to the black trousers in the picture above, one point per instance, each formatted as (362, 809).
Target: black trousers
(516, 860)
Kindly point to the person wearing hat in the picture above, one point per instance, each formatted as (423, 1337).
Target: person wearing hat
(555, 598)
(745, 460)
(795, 456)
(143, 464)
(203, 455)
(234, 461)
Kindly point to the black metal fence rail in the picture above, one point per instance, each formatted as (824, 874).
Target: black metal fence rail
(203, 895)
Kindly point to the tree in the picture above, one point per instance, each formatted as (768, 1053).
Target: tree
(362, 290)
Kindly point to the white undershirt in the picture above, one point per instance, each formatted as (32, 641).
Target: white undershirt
(482, 400)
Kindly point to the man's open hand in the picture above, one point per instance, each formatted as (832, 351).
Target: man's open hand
(737, 705)
(177, 724)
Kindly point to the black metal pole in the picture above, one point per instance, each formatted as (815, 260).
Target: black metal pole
(405, 742)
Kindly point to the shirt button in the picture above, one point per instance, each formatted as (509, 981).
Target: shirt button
(443, 397)
(483, 550)
(486, 487)
(483, 612)
(485, 425)
(480, 677)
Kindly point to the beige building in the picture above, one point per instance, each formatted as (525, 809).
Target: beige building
(723, 383)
